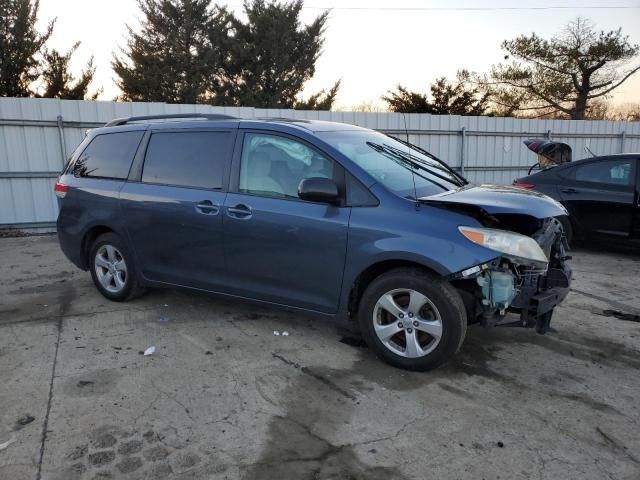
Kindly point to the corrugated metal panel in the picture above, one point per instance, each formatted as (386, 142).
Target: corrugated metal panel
(31, 153)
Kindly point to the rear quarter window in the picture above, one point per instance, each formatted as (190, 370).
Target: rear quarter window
(606, 172)
(108, 155)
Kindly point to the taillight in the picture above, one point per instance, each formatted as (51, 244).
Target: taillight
(527, 186)
(60, 189)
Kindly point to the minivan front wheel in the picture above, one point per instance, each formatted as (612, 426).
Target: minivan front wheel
(112, 268)
(412, 319)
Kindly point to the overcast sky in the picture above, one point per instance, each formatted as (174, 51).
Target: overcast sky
(372, 45)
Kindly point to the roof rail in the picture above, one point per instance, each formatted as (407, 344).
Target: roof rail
(284, 119)
(208, 116)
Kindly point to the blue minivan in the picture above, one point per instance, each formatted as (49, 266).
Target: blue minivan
(331, 219)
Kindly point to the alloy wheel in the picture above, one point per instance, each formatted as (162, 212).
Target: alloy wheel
(111, 268)
(407, 323)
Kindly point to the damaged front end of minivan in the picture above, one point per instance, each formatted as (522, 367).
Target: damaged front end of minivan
(530, 275)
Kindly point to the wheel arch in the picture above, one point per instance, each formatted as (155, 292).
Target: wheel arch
(366, 276)
(89, 237)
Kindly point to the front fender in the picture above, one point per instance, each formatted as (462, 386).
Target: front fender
(427, 237)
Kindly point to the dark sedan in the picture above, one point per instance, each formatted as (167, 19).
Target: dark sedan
(601, 195)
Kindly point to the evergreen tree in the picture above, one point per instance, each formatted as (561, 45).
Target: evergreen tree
(461, 97)
(322, 100)
(275, 54)
(58, 80)
(170, 58)
(187, 52)
(21, 45)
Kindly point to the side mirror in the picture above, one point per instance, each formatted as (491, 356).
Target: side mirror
(318, 189)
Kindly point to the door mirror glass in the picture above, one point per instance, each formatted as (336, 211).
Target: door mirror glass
(318, 189)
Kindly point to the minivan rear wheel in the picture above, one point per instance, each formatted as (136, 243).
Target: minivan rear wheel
(112, 268)
(412, 319)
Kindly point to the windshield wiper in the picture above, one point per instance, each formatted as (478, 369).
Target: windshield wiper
(461, 180)
(400, 158)
(396, 154)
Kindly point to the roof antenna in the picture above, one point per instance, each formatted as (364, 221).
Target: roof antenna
(413, 175)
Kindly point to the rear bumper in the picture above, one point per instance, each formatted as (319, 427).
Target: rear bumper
(70, 244)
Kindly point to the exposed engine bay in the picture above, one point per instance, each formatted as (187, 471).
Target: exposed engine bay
(507, 284)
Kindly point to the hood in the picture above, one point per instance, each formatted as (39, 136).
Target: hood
(499, 199)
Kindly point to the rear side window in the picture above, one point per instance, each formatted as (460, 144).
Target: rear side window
(609, 172)
(108, 156)
(188, 159)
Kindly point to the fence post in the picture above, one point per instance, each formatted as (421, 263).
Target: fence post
(548, 135)
(463, 132)
(63, 145)
(623, 137)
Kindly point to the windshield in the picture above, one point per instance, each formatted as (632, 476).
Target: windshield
(403, 168)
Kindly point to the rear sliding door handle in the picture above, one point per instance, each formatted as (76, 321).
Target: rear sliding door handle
(570, 190)
(240, 211)
(207, 207)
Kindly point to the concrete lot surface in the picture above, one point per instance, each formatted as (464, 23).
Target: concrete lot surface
(222, 397)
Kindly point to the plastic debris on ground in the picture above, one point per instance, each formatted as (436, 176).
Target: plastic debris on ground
(150, 351)
(27, 419)
(163, 319)
(285, 334)
(6, 444)
(276, 333)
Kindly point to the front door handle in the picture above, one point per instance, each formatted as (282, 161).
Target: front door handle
(207, 207)
(570, 190)
(239, 211)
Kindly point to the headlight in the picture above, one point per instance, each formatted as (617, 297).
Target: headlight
(508, 243)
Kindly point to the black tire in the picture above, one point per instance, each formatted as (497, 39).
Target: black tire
(440, 293)
(131, 288)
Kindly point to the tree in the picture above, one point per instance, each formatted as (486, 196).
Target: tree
(170, 59)
(366, 106)
(563, 74)
(322, 100)
(276, 55)
(447, 98)
(606, 110)
(629, 112)
(459, 98)
(20, 46)
(58, 80)
(189, 53)
(405, 101)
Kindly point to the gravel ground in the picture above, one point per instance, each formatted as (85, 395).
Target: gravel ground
(222, 397)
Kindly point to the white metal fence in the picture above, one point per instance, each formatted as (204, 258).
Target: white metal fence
(37, 136)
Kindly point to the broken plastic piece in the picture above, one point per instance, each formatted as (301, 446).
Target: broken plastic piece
(6, 444)
(150, 351)
(285, 334)
(26, 420)
(276, 333)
